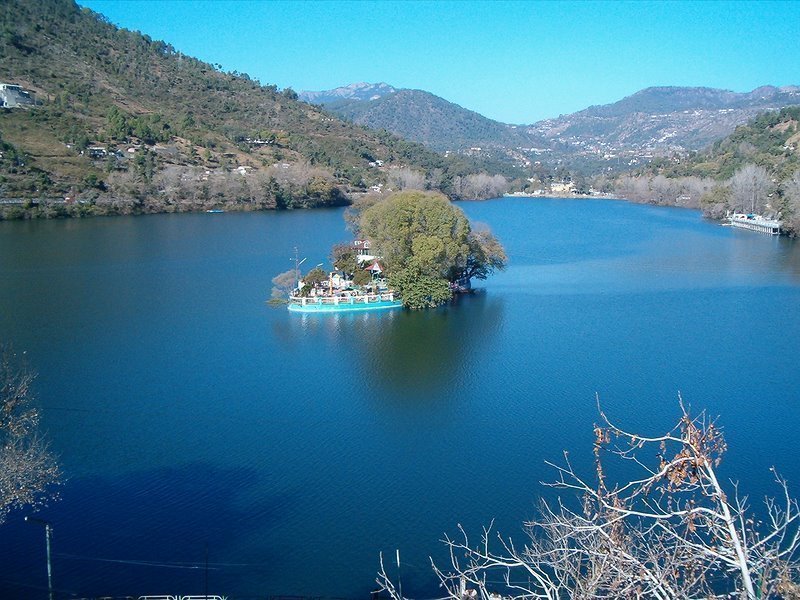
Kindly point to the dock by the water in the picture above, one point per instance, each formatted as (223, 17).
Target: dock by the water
(755, 223)
(344, 302)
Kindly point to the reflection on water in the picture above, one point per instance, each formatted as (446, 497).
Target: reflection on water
(186, 411)
(164, 523)
(789, 256)
(417, 355)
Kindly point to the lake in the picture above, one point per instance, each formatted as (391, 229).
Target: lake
(198, 426)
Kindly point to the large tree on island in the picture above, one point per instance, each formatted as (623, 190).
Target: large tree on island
(427, 244)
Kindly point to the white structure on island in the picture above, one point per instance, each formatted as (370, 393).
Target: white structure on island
(364, 251)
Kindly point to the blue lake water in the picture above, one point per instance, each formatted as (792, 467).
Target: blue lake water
(194, 421)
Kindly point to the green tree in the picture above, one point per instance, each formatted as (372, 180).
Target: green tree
(427, 243)
(418, 228)
(486, 254)
(145, 162)
(314, 277)
(343, 258)
(117, 123)
(361, 277)
(418, 289)
(716, 201)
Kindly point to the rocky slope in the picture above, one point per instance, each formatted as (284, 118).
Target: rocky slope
(653, 122)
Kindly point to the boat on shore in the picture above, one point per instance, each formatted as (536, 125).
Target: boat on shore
(754, 222)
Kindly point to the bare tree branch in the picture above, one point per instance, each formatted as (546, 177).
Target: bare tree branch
(28, 469)
(672, 532)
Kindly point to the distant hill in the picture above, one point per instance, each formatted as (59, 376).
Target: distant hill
(354, 91)
(426, 118)
(422, 117)
(665, 118)
(124, 123)
(770, 140)
(757, 167)
(653, 122)
(657, 100)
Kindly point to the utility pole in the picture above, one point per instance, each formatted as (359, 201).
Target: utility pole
(48, 532)
(297, 266)
(206, 586)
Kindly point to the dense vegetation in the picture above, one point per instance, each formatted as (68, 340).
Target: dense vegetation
(770, 140)
(428, 247)
(423, 117)
(755, 169)
(126, 124)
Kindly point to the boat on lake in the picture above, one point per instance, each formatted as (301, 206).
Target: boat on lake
(344, 302)
(339, 293)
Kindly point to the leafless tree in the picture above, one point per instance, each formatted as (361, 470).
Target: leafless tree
(296, 173)
(670, 531)
(664, 191)
(28, 470)
(667, 191)
(635, 189)
(750, 188)
(791, 213)
(479, 186)
(283, 283)
(692, 189)
(403, 178)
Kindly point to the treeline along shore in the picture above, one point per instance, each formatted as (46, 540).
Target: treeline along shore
(115, 122)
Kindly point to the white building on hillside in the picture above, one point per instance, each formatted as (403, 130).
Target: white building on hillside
(14, 96)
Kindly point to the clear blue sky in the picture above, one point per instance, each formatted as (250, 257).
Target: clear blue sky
(516, 62)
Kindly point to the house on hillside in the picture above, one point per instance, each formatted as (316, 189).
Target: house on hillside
(562, 188)
(14, 96)
(96, 152)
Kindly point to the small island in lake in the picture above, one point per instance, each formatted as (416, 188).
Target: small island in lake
(415, 249)
(356, 284)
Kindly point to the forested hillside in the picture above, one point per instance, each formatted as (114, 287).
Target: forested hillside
(770, 140)
(653, 122)
(665, 118)
(124, 123)
(423, 117)
(755, 169)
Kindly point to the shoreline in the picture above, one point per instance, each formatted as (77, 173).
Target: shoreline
(563, 196)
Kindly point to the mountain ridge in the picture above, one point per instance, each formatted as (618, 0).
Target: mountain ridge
(354, 91)
(653, 121)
